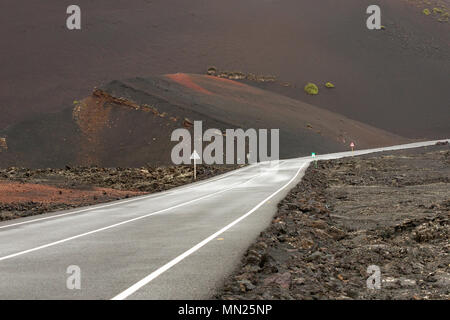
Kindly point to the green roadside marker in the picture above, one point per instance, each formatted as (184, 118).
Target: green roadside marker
(313, 155)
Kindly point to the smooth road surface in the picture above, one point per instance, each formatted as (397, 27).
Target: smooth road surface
(178, 244)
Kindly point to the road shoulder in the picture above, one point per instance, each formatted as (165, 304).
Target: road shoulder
(388, 210)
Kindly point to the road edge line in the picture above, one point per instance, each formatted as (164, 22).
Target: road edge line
(135, 287)
(100, 206)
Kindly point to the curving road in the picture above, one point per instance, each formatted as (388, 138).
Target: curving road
(178, 244)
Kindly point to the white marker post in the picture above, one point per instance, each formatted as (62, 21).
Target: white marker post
(195, 157)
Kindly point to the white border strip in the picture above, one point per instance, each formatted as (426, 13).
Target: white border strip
(167, 266)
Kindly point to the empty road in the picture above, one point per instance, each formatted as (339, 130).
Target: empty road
(177, 244)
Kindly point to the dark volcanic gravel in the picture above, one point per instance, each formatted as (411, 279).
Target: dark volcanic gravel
(25, 192)
(145, 179)
(388, 210)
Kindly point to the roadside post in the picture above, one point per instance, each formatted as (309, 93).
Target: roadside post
(352, 145)
(313, 155)
(195, 157)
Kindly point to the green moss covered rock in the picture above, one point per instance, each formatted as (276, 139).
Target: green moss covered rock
(311, 89)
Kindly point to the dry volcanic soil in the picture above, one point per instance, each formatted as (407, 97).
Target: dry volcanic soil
(380, 75)
(390, 210)
(26, 192)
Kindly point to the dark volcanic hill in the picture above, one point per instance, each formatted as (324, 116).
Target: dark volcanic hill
(129, 123)
(395, 79)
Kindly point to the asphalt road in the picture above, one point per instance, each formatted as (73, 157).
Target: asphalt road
(178, 244)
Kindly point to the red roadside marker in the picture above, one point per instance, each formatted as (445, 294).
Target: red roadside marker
(352, 145)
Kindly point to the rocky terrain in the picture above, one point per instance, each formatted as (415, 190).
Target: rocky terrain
(25, 192)
(390, 210)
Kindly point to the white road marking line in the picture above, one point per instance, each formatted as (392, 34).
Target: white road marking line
(126, 221)
(381, 149)
(183, 188)
(167, 266)
(187, 253)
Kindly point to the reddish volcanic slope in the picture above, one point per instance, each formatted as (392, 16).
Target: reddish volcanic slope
(15, 192)
(395, 79)
(246, 106)
(185, 80)
(128, 123)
